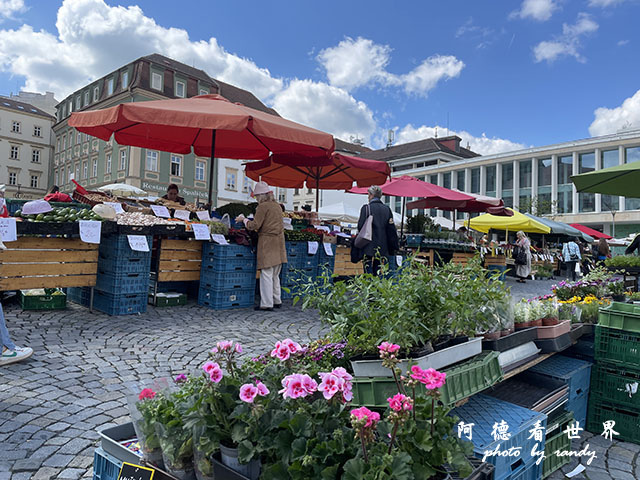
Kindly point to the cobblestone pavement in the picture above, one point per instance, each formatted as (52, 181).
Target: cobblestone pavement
(76, 381)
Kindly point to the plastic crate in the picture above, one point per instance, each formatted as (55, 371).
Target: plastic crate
(295, 276)
(296, 247)
(229, 264)
(120, 304)
(162, 300)
(618, 385)
(485, 411)
(463, 380)
(226, 299)
(578, 406)
(556, 439)
(105, 466)
(117, 247)
(502, 269)
(122, 265)
(481, 471)
(622, 316)
(627, 419)
(80, 295)
(216, 280)
(582, 350)
(618, 347)
(575, 373)
(210, 249)
(43, 302)
(414, 239)
(530, 472)
(130, 282)
(302, 260)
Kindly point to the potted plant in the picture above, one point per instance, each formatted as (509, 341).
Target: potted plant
(549, 313)
(616, 289)
(521, 315)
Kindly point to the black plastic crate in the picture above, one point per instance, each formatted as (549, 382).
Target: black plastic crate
(558, 344)
(513, 340)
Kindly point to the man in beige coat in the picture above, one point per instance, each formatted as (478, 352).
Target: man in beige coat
(271, 249)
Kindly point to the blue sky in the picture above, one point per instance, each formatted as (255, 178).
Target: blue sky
(501, 74)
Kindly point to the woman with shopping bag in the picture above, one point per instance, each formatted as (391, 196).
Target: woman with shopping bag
(571, 257)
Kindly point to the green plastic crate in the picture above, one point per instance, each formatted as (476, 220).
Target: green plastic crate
(618, 385)
(43, 302)
(557, 439)
(463, 380)
(627, 419)
(618, 347)
(173, 301)
(622, 316)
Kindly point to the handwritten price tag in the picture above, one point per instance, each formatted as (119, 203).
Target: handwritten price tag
(218, 238)
(90, 231)
(399, 260)
(116, 206)
(182, 214)
(138, 243)
(8, 231)
(201, 231)
(327, 249)
(203, 216)
(312, 248)
(160, 211)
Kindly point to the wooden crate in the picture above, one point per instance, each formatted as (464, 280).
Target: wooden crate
(179, 260)
(462, 258)
(495, 260)
(39, 262)
(343, 265)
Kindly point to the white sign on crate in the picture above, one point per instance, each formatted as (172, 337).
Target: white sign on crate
(182, 214)
(160, 211)
(399, 260)
(8, 232)
(90, 231)
(218, 238)
(327, 249)
(201, 231)
(203, 216)
(116, 206)
(138, 243)
(312, 248)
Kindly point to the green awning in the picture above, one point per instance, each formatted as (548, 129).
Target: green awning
(623, 180)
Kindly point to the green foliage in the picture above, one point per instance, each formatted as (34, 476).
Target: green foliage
(623, 261)
(235, 209)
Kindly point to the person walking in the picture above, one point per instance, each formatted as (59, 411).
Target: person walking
(603, 250)
(271, 248)
(523, 270)
(571, 256)
(10, 352)
(384, 238)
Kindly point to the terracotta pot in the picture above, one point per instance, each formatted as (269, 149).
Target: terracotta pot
(492, 335)
(522, 325)
(504, 333)
(549, 322)
(536, 323)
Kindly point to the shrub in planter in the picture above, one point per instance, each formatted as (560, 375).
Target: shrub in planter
(522, 315)
(616, 289)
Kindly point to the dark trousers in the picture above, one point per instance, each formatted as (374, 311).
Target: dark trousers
(571, 267)
(371, 265)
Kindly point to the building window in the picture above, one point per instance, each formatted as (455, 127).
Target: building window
(203, 92)
(109, 86)
(282, 195)
(55, 177)
(13, 178)
(15, 127)
(70, 107)
(309, 191)
(524, 176)
(507, 183)
(446, 180)
(632, 155)
(296, 192)
(176, 166)
(544, 202)
(123, 160)
(107, 167)
(230, 179)
(125, 79)
(179, 89)
(490, 180)
(78, 102)
(64, 142)
(565, 186)
(96, 93)
(70, 170)
(94, 168)
(200, 170)
(433, 179)
(85, 169)
(86, 98)
(475, 180)
(34, 181)
(14, 154)
(246, 184)
(77, 174)
(35, 156)
(156, 81)
(610, 158)
(78, 138)
(152, 161)
(586, 163)
(460, 180)
(37, 131)
(58, 143)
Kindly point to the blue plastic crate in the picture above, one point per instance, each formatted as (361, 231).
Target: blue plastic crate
(121, 264)
(530, 472)
(120, 304)
(117, 246)
(80, 295)
(484, 412)
(303, 260)
(215, 280)
(210, 249)
(579, 408)
(231, 264)
(105, 466)
(290, 277)
(296, 247)
(226, 299)
(130, 282)
(498, 268)
(325, 259)
(575, 373)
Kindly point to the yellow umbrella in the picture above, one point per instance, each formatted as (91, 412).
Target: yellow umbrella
(518, 221)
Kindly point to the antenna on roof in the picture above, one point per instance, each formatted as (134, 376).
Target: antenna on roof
(436, 133)
(390, 138)
(447, 124)
(467, 144)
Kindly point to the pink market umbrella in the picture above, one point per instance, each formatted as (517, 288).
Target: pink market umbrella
(478, 204)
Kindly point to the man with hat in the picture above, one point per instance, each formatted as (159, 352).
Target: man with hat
(271, 248)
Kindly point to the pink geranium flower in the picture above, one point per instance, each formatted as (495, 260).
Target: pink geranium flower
(400, 403)
(180, 378)
(248, 393)
(238, 348)
(338, 380)
(215, 374)
(281, 351)
(430, 377)
(388, 347)
(209, 366)
(291, 345)
(263, 391)
(224, 345)
(363, 412)
(146, 393)
(298, 385)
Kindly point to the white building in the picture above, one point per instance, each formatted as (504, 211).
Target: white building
(44, 101)
(26, 145)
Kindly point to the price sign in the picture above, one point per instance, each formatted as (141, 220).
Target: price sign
(131, 471)
(312, 248)
(322, 227)
(90, 231)
(327, 249)
(138, 243)
(160, 211)
(203, 216)
(399, 260)
(336, 228)
(201, 231)
(182, 214)
(116, 206)
(8, 231)
(218, 238)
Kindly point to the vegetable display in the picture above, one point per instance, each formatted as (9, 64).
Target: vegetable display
(60, 215)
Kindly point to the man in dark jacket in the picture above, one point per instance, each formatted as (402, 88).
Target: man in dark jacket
(384, 238)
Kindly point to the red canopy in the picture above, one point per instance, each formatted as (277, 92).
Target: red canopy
(478, 203)
(590, 231)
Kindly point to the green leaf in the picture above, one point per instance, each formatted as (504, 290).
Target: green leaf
(298, 448)
(354, 469)
(401, 466)
(246, 451)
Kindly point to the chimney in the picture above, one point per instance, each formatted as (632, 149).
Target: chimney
(452, 143)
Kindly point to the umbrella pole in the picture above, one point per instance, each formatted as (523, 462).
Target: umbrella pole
(211, 167)
(317, 189)
(404, 202)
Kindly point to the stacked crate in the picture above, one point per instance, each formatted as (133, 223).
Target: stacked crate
(556, 441)
(122, 283)
(615, 381)
(326, 263)
(299, 269)
(227, 276)
(343, 266)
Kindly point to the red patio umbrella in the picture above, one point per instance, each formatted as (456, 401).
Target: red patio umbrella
(478, 204)
(590, 231)
(336, 172)
(210, 125)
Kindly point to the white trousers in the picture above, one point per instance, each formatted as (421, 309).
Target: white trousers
(270, 286)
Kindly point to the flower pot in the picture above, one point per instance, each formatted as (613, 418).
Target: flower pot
(506, 331)
(536, 323)
(619, 298)
(458, 340)
(554, 331)
(550, 321)
(491, 335)
(522, 325)
(229, 456)
(183, 471)
(442, 342)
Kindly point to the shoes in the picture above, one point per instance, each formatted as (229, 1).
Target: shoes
(260, 309)
(277, 305)
(16, 355)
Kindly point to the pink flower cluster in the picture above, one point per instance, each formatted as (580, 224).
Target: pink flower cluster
(388, 347)
(248, 391)
(146, 394)
(430, 377)
(298, 385)
(285, 348)
(180, 378)
(214, 371)
(364, 413)
(226, 346)
(338, 380)
(400, 403)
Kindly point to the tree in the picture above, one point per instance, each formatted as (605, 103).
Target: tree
(538, 206)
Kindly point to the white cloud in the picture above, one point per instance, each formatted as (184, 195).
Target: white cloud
(605, 3)
(568, 43)
(612, 120)
(360, 62)
(482, 145)
(540, 10)
(8, 8)
(326, 108)
(483, 36)
(78, 55)
(622, 43)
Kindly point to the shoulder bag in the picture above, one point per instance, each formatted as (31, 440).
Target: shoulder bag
(365, 235)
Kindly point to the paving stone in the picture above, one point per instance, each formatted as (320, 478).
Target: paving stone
(46, 473)
(21, 476)
(5, 475)
(72, 473)
(58, 460)
(58, 427)
(621, 475)
(625, 466)
(621, 454)
(28, 464)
